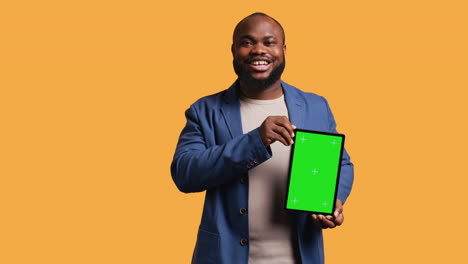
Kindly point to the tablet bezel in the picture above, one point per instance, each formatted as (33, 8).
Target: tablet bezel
(338, 172)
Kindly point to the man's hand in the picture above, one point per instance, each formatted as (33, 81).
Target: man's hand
(329, 221)
(277, 128)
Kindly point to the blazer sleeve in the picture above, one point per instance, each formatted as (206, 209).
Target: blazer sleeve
(347, 168)
(197, 167)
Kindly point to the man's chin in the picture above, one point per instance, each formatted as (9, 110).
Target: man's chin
(258, 83)
(260, 75)
(258, 80)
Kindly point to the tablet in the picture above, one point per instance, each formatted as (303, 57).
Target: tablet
(314, 171)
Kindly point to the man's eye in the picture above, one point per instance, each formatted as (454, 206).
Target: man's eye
(246, 42)
(270, 43)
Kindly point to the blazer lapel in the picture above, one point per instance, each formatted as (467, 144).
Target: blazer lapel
(231, 111)
(295, 105)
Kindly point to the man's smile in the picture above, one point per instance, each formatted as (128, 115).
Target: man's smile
(259, 65)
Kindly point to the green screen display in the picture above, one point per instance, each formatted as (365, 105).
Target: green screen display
(314, 171)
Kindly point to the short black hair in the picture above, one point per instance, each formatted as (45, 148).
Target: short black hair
(264, 15)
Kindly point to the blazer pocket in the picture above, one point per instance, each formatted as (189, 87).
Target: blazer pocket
(207, 248)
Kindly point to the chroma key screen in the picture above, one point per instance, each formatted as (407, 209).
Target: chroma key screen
(314, 171)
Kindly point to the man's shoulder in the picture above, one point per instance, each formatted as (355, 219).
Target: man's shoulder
(211, 98)
(211, 101)
(216, 100)
(299, 94)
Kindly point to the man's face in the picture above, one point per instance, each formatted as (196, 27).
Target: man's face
(258, 50)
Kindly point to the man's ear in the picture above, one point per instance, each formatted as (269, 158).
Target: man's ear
(232, 49)
(284, 49)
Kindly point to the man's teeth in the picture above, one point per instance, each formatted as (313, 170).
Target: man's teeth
(259, 63)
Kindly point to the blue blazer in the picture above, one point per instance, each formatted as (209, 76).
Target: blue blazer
(214, 155)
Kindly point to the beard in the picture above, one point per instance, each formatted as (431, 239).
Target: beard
(260, 84)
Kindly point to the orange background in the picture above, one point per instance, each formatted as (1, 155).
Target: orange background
(92, 101)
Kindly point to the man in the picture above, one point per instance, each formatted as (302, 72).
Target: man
(236, 146)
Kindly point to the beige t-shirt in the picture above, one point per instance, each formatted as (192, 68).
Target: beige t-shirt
(270, 232)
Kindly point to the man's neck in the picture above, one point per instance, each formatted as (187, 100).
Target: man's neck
(272, 92)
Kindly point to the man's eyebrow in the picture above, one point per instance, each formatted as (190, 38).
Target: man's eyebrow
(246, 37)
(252, 38)
(269, 37)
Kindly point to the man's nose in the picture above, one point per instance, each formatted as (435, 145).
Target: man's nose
(258, 49)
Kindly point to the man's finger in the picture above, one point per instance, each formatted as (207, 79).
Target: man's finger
(338, 208)
(338, 212)
(315, 221)
(283, 121)
(339, 220)
(326, 222)
(282, 132)
(278, 137)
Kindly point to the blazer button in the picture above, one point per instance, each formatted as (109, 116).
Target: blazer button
(243, 242)
(242, 211)
(243, 180)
